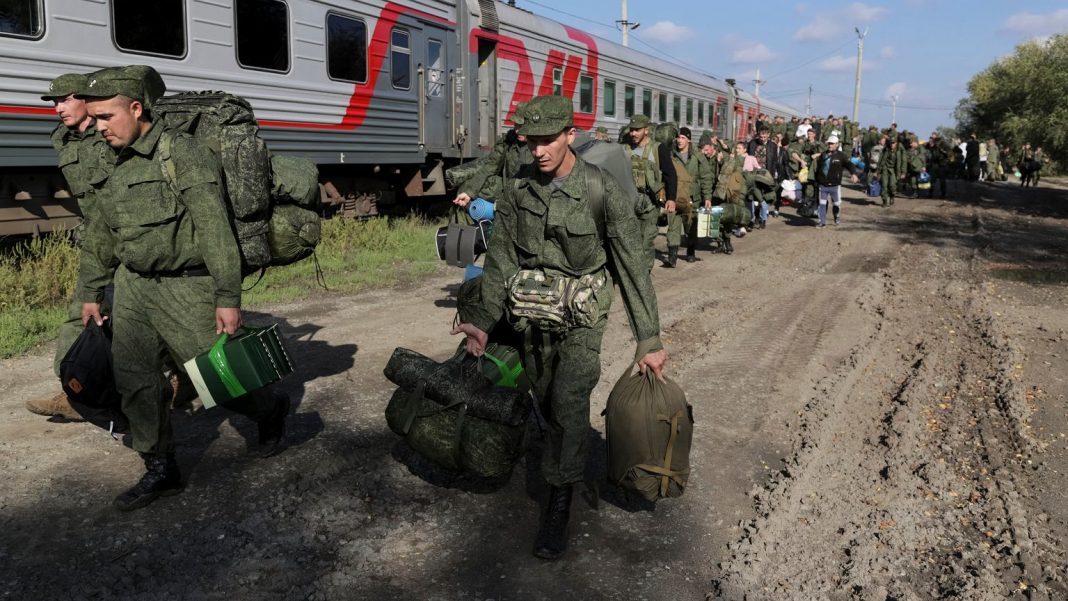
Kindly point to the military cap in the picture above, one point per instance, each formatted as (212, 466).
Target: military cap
(638, 122)
(65, 85)
(517, 116)
(601, 129)
(138, 82)
(545, 116)
(705, 140)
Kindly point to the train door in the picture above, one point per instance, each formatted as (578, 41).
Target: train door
(487, 93)
(437, 119)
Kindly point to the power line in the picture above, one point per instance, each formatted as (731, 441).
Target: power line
(809, 62)
(636, 38)
(886, 103)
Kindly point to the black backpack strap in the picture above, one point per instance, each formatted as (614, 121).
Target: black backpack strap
(596, 189)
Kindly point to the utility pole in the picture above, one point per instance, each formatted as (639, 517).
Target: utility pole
(758, 82)
(893, 108)
(808, 103)
(626, 25)
(860, 62)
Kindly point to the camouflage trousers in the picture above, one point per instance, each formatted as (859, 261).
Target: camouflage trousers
(888, 181)
(153, 318)
(682, 220)
(564, 368)
(647, 213)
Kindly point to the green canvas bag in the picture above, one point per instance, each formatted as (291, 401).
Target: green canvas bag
(649, 428)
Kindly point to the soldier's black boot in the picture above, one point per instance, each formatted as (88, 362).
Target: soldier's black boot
(552, 536)
(691, 255)
(728, 248)
(161, 479)
(672, 258)
(272, 429)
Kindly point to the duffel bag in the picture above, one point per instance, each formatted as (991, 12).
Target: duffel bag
(649, 429)
(454, 416)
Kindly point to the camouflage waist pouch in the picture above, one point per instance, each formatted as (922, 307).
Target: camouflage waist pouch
(555, 303)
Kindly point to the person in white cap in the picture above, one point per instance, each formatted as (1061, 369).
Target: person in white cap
(828, 168)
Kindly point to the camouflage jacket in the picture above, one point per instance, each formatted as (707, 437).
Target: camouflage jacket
(702, 176)
(483, 177)
(537, 227)
(141, 223)
(84, 159)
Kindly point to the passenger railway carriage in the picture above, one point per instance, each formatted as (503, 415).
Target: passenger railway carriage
(382, 95)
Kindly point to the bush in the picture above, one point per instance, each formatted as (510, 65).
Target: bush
(38, 276)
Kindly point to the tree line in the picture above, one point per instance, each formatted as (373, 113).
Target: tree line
(1023, 98)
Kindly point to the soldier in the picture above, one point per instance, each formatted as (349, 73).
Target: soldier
(484, 176)
(176, 268)
(696, 183)
(82, 160)
(546, 229)
(654, 176)
(994, 160)
(812, 149)
(938, 159)
(916, 164)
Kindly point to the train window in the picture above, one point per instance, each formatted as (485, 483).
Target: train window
(435, 69)
(628, 101)
(21, 18)
(585, 94)
(700, 114)
(609, 98)
(647, 103)
(676, 109)
(661, 109)
(262, 34)
(400, 59)
(346, 53)
(689, 110)
(149, 27)
(558, 82)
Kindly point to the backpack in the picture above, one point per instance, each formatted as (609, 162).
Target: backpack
(88, 379)
(649, 428)
(225, 123)
(645, 171)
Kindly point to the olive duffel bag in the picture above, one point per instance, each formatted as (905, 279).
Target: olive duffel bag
(466, 414)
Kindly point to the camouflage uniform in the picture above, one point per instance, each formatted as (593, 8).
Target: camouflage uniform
(647, 209)
(696, 184)
(538, 226)
(174, 259)
(483, 177)
(83, 159)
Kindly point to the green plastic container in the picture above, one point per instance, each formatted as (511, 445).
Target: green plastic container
(236, 365)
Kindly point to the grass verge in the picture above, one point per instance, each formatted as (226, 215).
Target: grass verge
(38, 276)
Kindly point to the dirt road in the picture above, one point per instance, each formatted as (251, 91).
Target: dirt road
(881, 415)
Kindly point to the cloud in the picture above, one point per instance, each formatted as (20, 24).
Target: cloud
(666, 32)
(820, 29)
(752, 53)
(862, 13)
(1033, 25)
(843, 64)
(887, 52)
(898, 88)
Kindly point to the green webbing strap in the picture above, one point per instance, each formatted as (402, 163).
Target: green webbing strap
(666, 473)
(509, 376)
(221, 365)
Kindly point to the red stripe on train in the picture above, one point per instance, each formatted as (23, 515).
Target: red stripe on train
(26, 110)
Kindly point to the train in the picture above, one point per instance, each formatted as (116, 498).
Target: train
(383, 95)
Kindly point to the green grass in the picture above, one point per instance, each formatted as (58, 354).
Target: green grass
(38, 276)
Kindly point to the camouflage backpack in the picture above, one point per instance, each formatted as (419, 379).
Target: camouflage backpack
(226, 124)
(645, 168)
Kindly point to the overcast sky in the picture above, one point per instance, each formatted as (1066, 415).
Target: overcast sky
(923, 51)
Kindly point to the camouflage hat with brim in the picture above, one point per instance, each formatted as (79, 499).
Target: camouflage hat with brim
(638, 122)
(137, 82)
(601, 129)
(65, 85)
(544, 116)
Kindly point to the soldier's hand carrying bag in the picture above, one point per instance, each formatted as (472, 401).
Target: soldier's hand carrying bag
(466, 414)
(649, 427)
(554, 303)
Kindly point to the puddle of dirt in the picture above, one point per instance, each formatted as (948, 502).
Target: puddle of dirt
(1032, 276)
